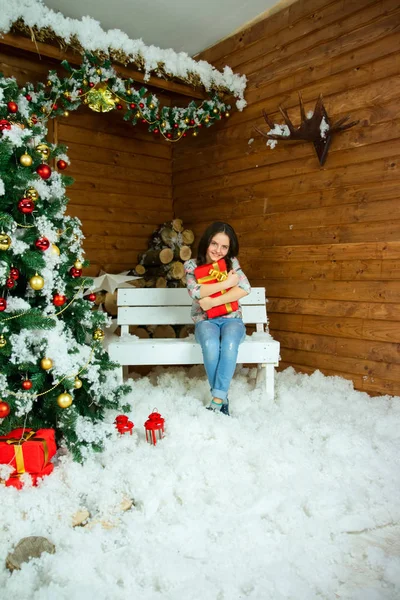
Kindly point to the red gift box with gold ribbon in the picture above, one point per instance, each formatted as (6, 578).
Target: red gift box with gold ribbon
(213, 273)
(26, 450)
(17, 482)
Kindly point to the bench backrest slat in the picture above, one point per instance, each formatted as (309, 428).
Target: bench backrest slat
(174, 297)
(177, 315)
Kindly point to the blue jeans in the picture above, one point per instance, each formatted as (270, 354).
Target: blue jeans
(219, 339)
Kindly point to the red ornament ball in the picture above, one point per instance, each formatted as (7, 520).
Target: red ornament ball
(119, 107)
(42, 243)
(92, 297)
(55, 106)
(156, 131)
(59, 299)
(4, 409)
(43, 171)
(14, 272)
(176, 125)
(169, 135)
(28, 97)
(132, 105)
(74, 272)
(34, 119)
(3, 304)
(141, 105)
(61, 164)
(10, 283)
(12, 107)
(192, 121)
(27, 384)
(26, 206)
(80, 92)
(91, 84)
(4, 124)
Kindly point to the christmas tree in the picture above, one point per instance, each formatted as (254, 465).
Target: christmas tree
(54, 370)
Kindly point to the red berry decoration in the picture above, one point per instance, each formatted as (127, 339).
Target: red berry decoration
(10, 283)
(3, 304)
(12, 107)
(42, 243)
(92, 297)
(14, 272)
(74, 272)
(61, 164)
(4, 409)
(26, 206)
(4, 124)
(43, 171)
(28, 97)
(27, 384)
(59, 299)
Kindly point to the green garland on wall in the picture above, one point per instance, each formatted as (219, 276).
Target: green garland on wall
(97, 84)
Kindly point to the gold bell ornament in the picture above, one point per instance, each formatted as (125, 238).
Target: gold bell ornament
(98, 335)
(43, 150)
(64, 400)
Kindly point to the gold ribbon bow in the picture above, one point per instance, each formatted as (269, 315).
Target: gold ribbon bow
(17, 443)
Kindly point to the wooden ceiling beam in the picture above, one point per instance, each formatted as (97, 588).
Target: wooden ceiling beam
(43, 49)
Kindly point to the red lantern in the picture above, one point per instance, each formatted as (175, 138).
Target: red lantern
(4, 409)
(61, 164)
(123, 424)
(26, 206)
(12, 107)
(154, 427)
(14, 272)
(3, 304)
(59, 299)
(27, 384)
(10, 282)
(74, 272)
(42, 243)
(92, 297)
(43, 171)
(4, 124)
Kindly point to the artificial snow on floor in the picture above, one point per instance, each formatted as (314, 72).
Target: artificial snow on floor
(292, 499)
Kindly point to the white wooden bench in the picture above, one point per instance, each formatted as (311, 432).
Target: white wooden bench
(172, 307)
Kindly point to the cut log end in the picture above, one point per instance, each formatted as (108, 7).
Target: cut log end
(188, 237)
(177, 270)
(140, 269)
(177, 225)
(166, 256)
(185, 252)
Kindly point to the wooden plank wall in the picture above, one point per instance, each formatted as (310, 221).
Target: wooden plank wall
(324, 241)
(123, 176)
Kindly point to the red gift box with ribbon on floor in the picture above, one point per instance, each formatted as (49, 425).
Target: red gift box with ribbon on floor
(28, 451)
(213, 273)
(17, 482)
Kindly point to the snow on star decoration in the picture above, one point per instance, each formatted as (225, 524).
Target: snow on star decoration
(97, 84)
(315, 127)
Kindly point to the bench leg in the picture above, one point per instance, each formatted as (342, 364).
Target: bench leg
(269, 374)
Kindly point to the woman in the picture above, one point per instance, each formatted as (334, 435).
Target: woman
(219, 337)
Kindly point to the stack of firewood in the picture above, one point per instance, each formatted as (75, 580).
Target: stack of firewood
(162, 264)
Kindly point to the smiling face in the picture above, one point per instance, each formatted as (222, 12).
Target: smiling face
(218, 248)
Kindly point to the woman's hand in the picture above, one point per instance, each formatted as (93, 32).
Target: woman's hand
(206, 303)
(232, 279)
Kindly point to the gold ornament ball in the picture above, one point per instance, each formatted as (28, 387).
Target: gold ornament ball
(187, 120)
(152, 105)
(78, 383)
(129, 92)
(66, 94)
(25, 160)
(66, 113)
(64, 400)
(43, 109)
(55, 250)
(215, 110)
(98, 335)
(46, 364)
(5, 241)
(98, 71)
(227, 114)
(49, 82)
(3, 341)
(32, 194)
(206, 120)
(43, 150)
(86, 101)
(36, 282)
(163, 124)
(78, 264)
(194, 134)
(137, 114)
(85, 82)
